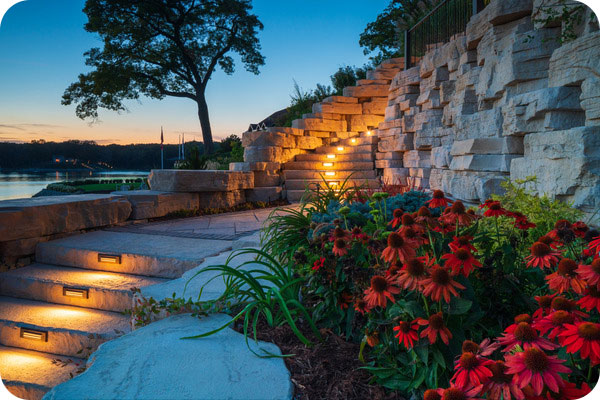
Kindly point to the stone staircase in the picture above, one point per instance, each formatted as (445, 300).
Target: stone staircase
(56, 312)
(337, 140)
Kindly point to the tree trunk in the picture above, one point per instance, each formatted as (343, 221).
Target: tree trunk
(205, 124)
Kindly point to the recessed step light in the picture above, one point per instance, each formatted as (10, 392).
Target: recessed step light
(331, 156)
(369, 133)
(340, 148)
(328, 164)
(109, 258)
(333, 183)
(75, 292)
(330, 173)
(353, 140)
(34, 334)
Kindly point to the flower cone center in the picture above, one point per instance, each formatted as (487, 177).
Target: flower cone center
(379, 284)
(499, 375)
(596, 266)
(536, 360)
(468, 361)
(540, 249)
(395, 240)
(440, 276)
(340, 243)
(398, 212)
(458, 207)
(567, 267)
(407, 219)
(523, 318)
(525, 332)
(589, 331)
(470, 346)
(462, 254)
(453, 394)
(424, 212)
(415, 267)
(436, 321)
(438, 194)
(560, 303)
(561, 317)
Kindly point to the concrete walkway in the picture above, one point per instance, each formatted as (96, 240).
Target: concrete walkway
(150, 362)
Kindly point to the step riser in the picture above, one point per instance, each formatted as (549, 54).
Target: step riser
(338, 157)
(162, 267)
(51, 292)
(303, 174)
(300, 184)
(60, 341)
(360, 141)
(309, 165)
(352, 149)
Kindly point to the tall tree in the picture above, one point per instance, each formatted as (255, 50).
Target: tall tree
(159, 48)
(384, 35)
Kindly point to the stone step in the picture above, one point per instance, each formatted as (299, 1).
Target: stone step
(57, 329)
(101, 290)
(386, 74)
(362, 82)
(306, 174)
(357, 141)
(130, 253)
(335, 157)
(329, 165)
(349, 149)
(30, 374)
(301, 184)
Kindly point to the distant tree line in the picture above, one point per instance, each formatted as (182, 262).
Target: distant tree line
(40, 154)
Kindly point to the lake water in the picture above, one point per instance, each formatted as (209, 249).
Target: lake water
(17, 185)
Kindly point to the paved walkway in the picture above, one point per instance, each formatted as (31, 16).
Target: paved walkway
(228, 226)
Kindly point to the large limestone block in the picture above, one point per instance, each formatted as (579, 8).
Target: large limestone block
(192, 181)
(264, 194)
(340, 99)
(410, 76)
(590, 101)
(263, 154)
(367, 91)
(506, 145)
(388, 163)
(417, 159)
(227, 199)
(361, 123)
(477, 27)
(504, 11)
(289, 154)
(153, 204)
(261, 139)
(435, 179)
(482, 162)
(43, 216)
(266, 178)
(440, 157)
(377, 106)
(309, 142)
(576, 61)
(317, 124)
(254, 166)
(390, 155)
(289, 131)
(395, 176)
(472, 186)
(483, 124)
(403, 142)
(338, 108)
(150, 363)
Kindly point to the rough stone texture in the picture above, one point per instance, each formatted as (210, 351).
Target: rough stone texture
(152, 204)
(221, 199)
(263, 154)
(266, 178)
(263, 194)
(146, 364)
(280, 139)
(192, 181)
(43, 216)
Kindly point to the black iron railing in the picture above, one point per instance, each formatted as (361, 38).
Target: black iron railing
(442, 24)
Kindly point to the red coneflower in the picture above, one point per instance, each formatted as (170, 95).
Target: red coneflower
(462, 242)
(345, 300)
(590, 273)
(317, 265)
(549, 241)
(338, 233)
(413, 272)
(408, 222)
(440, 284)
(382, 288)
(393, 270)
(361, 306)
(438, 200)
(461, 261)
(424, 217)
(554, 323)
(471, 370)
(413, 235)
(521, 221)
(398, 247)
(432, 394)
(500, 385)
(435, 327)
(456, 393)
(517, 320)
(591, 299)
(444, 227)
(535, 367)
(396, 217)
(494, 209)
(594, 245)
(545, 303)
(562, 303)
(569, 391)
(485, 348)
(486, 204)
(340, 247)
(458, 213)
(524, 335)
(373, 339)
(542, 256)
(565, 277)
(407, 333)
(580, 229)
(583, 337)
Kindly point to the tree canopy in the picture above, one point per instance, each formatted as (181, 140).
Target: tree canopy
(159, 48)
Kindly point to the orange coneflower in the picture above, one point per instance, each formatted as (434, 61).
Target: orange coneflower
(340, 247)
(542, 256)
(524, 335)
(413, 272)
(407, 333)
(361, 306)
(398, 247)
(440, 284)
(414, 235)
(591, 299)
(435, 327)
(565, 277)
(432, 394)
(424, 218)
(408, 222)
(583, 337)
(396, 217)
(438, 200)
(536, 368)
(457, 213)
(382, 288)
(471, 370)
(461, 261)
(456, 393)
(338, 233)
(494, 209)
(500, 385)
(462, 242)
(590, 273)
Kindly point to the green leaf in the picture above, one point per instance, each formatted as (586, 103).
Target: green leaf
(438, 357)
(423, 353)
(458, 306)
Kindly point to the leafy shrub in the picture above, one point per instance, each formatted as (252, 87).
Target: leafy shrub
(60, 187)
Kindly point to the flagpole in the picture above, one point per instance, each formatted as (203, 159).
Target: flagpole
(162, 164)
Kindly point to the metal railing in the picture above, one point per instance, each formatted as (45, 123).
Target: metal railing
(442, 24)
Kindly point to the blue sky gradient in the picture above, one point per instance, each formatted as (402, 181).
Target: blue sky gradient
(41, 52)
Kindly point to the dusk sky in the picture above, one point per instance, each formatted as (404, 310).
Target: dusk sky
(41, 52)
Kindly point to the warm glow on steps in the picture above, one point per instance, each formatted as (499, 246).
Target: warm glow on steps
(331, 156)
(328, 164)
(330, 173)
(340, 148)
(353, 140)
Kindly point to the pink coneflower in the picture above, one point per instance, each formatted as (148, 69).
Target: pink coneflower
(525, 336)
(407, 333)
(500, 385)
(461, 261)
(565, 278)
(340, 247)
(554, 323)
(590, 273)
(398, 247)
(542, 256)
(456, 393)
(382, 288)
(591, 300)
(583, 337)
(435, 327)
(536, 368)
(485, 348)
(471, 370)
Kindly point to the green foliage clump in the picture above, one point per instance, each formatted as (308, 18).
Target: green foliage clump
(61, 187)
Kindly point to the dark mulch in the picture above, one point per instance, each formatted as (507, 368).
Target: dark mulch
(327, 370)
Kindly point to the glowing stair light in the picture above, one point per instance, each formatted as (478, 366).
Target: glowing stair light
(340, 148)
(353, 140)
(331, 156)
(328, 164)
(333, 184)
(75, 292)
(369, 133)
(330, 173)
(109, 258)
(34, 334)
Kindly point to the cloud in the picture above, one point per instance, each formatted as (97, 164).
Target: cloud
(12, 127)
